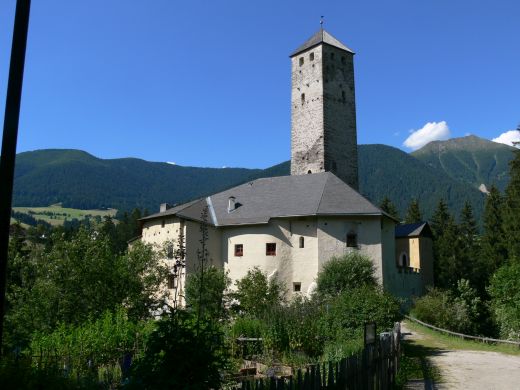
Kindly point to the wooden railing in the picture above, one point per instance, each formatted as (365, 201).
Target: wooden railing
(464, 336)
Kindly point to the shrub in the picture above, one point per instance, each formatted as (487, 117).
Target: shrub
(210, 295)
(256, 294)
(347, 313)
(183, 352)
(504, 290)
(348, 272)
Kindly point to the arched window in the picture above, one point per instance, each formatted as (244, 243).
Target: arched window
(403, 260)
(309, 172)
(302, 242)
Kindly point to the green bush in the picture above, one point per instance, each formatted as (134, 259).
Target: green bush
(207, 293)
(347, 314)
(95, 348)
(344, 273)
(504, 290)
(461, 310)
(256, 294)
(182, 353)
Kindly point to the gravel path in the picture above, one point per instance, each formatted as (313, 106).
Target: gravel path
(475, 370)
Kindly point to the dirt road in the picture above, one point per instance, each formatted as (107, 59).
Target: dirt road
(475, 370)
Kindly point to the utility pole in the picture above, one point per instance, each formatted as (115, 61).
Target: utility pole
(10, 135)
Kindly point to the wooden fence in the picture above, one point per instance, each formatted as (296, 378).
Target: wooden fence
(373, 368)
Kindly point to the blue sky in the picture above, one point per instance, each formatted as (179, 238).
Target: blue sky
(207, 83)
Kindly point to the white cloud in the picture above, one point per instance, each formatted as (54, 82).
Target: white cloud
(431, 131)
(170, 162)
(508, 138)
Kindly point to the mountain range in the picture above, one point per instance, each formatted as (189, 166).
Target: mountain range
(453, 169)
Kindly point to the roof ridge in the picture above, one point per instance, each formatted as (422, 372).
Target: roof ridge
(322, 192)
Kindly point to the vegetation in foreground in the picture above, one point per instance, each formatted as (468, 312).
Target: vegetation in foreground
(81, 314)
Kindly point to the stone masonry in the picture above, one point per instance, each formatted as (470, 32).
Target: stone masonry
(323, 112)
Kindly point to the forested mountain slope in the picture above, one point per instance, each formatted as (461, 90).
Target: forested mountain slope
(78, 179)
(470, 159)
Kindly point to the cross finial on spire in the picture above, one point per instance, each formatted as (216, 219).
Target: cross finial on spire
(321, 21)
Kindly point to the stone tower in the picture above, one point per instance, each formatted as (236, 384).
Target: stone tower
(323, 109)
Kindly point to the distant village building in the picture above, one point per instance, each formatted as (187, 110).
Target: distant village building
(290, 226)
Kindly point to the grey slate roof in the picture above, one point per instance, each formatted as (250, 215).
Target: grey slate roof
(413, 230)
(321, 36)
(275, 197)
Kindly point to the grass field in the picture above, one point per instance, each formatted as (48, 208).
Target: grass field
(56, 215)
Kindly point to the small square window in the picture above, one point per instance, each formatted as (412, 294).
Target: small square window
(297, 287)
(172, 282)
(270, 249)
(239, 250)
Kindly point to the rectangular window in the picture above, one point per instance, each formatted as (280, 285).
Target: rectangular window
(352, 240)
(162, 223)
(270, 249)
(239, 250)
(172, 282)
(169, 251)
(302, 242)
(297, 287)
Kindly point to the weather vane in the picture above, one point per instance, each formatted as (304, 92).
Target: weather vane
(321, 21)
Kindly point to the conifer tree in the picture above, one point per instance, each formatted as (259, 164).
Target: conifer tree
(413, 214)
(388, 207)
(472, 269)
(512, 210)
(493, 252)
(448, 268)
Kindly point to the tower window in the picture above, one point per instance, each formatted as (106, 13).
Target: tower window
(352, 240)
(331, 56)
(239, 250)
(270, 249)
(343, 60)
(343, 96)
(302, 242)
(297, 286)
(301, 61)
(303, 98)
(311, 56)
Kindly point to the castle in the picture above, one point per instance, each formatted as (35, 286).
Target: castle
(290, 226)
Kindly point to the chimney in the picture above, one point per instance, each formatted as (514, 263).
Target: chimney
(231, 204)
(164, 207)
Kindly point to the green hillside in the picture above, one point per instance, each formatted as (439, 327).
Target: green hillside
(470, 160)
(77, 179)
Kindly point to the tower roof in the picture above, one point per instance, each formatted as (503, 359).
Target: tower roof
(321, 36)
